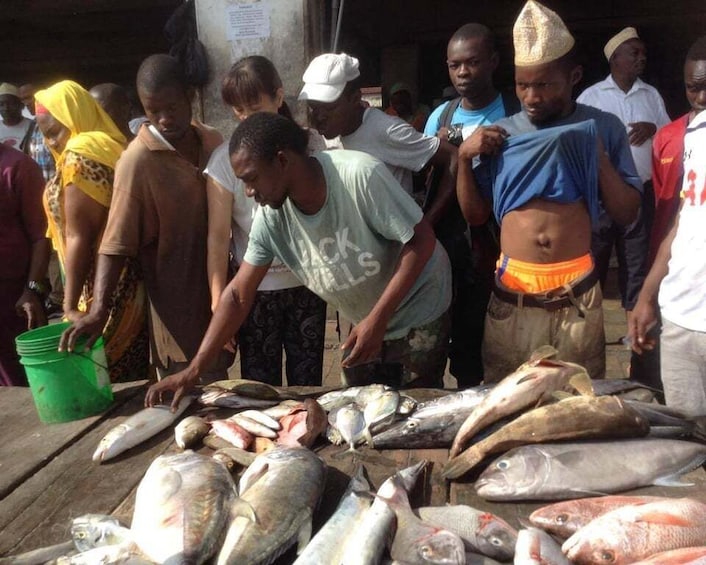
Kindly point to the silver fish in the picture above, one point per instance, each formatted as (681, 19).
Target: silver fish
(535, 546)
(190, 431)
(181, 508)
(226, 399)
(415, 541)
(326, 546)
(278, 494)
(97, 530)
(360, 394)
(255, 428)
(138, 428)
(365, 543)
(378, 411)
(481, 532)
(282, 409)
(350, 422)
(463, 400)
(421, 433)
(556, 471)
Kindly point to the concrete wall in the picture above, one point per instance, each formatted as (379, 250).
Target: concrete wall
(294, 37)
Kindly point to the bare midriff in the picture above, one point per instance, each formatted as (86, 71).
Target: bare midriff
(546, 232)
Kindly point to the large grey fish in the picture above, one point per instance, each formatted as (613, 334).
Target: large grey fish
(367, 541)
(421, 433)
(533, 383)
(138, 428)
(572, 418)
(417, 542)
(326, 546)
(278, 494)
(481, 532)
(181, 508)
(556, 471)
(40, 555)
(537, 547)
(602, 387)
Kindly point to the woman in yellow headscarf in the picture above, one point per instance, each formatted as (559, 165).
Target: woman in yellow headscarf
(86, 144)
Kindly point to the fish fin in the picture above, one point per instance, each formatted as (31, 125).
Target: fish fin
(581, 492)
(671, 481)
(242, 509)
(664, 518)
(561, 395)
(458, 466)
(304, 535)
(581, 382)
(368, 437)
(541, 353)
(526, 378)
(252, 474)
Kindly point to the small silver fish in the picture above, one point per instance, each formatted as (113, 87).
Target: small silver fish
(190, 431)
(97, 530)
(350, 422)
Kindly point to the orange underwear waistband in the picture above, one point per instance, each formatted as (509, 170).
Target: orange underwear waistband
(539, 278)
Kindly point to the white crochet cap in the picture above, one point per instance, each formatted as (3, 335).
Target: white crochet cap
(618, 39)
(539, 35)
(327, 75)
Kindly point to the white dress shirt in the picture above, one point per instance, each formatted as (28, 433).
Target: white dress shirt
(642, 103)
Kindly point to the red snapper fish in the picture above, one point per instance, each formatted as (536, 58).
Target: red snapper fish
(563, 519)
(682, 556)
(631, 533)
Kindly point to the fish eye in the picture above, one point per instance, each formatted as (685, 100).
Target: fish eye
(496, 541)
(503, 464)
(81, 535)
(607, 556)
(562, 519)
(411, 424)
(425, 551)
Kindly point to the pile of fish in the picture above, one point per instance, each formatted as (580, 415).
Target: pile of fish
(616, 530)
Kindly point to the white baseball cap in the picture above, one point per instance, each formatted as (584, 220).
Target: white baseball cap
(327, 76)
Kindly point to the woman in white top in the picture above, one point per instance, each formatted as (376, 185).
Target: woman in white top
(285, 315)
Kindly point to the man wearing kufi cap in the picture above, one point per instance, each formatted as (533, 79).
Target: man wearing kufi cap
(15, 130)
(641, 109)
(545, 173)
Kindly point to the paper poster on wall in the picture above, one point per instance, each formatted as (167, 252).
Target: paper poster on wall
(248, 21)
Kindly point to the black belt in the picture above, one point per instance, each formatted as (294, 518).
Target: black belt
(552, 300)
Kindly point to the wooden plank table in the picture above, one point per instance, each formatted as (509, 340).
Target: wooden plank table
(47, 477)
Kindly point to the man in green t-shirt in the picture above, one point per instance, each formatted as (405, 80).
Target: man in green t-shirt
(346, 228)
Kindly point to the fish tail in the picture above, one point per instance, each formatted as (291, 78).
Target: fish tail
(457, 466)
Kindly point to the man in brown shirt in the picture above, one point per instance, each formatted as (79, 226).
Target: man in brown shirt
(159, 214)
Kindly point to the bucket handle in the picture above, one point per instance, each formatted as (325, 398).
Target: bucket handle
(92, 360)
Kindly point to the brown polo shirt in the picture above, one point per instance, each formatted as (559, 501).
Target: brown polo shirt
(159, 215)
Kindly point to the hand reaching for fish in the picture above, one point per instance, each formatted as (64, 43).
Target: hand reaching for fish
(180, 383)
(364, 342)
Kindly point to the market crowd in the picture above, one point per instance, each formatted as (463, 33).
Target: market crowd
(469, 235)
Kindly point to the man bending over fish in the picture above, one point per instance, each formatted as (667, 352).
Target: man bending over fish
(545, 172)
(346, 228)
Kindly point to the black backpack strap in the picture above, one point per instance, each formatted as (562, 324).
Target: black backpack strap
(510, 103)
(25, 143)
(448, 113)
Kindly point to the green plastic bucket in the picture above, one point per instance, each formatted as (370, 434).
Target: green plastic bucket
(65, 386)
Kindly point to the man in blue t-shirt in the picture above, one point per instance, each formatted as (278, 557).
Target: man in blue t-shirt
(546, 289)
(471, 58)
(345, 227)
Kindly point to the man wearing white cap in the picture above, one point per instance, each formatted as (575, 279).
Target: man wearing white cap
(332, 91)
(15, 130)
(544, 171)
(641, 109)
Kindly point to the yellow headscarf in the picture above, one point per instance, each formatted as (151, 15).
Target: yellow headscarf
(93, 133)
